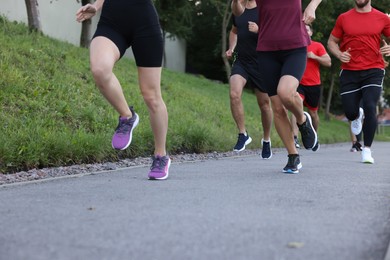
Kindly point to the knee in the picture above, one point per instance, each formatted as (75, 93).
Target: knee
(235, 96)
(265, 106)
(100, 73)
(152, 100)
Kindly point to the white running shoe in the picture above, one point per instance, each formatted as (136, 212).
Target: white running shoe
(357, 124)
(366, 156)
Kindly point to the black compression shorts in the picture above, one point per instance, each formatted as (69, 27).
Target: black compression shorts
(275, 64)
(133, 23)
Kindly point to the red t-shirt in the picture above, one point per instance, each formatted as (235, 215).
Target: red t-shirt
(281, 26)
(361, 33)
(312, 77)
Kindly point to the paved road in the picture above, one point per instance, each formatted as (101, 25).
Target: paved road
(233, 208)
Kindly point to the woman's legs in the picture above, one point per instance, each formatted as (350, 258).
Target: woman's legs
(282, 124)
(103, 56)
(149, 80)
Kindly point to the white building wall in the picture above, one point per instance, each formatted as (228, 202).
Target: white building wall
(58, 20)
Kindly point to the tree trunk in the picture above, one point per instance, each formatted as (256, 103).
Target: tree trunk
(34, 22)
(329, 99)
(86, 26)
(225, 22)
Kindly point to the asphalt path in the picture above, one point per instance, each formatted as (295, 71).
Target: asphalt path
(240, 207)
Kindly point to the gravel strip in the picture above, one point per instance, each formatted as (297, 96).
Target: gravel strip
(46, 173)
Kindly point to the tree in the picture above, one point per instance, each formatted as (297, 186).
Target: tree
(175, 19)
(85, 36)
(34, 21)
(205, 45)
(225, 12)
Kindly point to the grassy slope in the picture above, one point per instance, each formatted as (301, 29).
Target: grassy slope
(52, 114)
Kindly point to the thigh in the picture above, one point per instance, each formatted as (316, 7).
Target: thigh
(372, 87)
(148, 43)
(103, 54)
(294, 62)
(270, 69)
(350, 93)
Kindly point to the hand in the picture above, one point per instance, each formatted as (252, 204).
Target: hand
(385, 49)
(252, 27)
(229, 53)
(86, 12)
(345, 56)
(311, 55)
(309, 15)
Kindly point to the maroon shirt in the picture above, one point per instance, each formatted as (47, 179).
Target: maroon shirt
(281, 26)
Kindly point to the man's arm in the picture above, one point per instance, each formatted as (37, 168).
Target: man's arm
(238, 7)
(334, 48)
(232, 42)
(323, 60)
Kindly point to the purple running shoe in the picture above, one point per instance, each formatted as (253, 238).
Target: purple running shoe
(124, 131)
(160, 168)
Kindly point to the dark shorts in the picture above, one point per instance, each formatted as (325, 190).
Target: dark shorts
(355, 81)
(250, 72)
(275, 64)
(310, 96)
(135, 24)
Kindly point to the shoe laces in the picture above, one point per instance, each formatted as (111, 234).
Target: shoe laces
(291, 160)
(124, 126)
(159, 163)
(242, 138)
(304, 128)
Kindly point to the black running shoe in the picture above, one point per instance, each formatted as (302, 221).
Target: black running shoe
(308, 134)
(316, 147)
(356, 147)
(293, 164)
(266, 152)
(242, 141)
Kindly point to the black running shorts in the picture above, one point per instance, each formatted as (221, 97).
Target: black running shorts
(275, 64)
(250, 72)
(310, 95)
(135, 24)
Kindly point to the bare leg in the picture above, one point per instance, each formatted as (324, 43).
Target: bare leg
(294, 124)
(266, 113)
(237, 84)
(282, 125)
(288, 98)
(287, 91)
(103, 56)
(149, 80)
(315, 118)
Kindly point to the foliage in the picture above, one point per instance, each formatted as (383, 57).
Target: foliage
(176, 16)
(204, 45)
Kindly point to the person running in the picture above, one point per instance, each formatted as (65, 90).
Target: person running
(310, 85)
(242, 44)
(356, 41)
(281, 46)
(135, 23)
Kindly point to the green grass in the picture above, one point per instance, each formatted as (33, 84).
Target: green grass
(53, 115)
